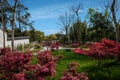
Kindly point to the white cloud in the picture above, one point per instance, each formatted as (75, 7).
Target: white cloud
(52, 11)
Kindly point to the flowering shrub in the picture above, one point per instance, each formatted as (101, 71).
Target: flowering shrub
(72, 74)
(47, 70)
(16, 66)
(3, 51)
(12, 63)
(38, 72)
(79, 51)
(55, 46)
(75, 45)
(104, 49)
(45, 66)
(45, 57)
(80, 76)
(19, 76)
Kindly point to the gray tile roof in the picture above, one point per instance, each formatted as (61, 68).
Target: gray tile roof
(18, 38)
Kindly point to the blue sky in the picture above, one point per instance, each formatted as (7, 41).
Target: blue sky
(46, 13)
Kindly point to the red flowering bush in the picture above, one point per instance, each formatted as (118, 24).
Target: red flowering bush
(55, 46)
(12, 63)
(47, 70)
(3, 51)
(75, 45)
(19, 76)
(72, 74)
(80, 76)
(79, 51)
(16, 66)
(104, 49)
(38, 72)
(45, 57)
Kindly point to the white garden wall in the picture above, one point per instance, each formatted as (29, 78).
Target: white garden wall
(17, 42)
(1, 38)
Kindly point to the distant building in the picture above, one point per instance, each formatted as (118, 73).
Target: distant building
(17, 40)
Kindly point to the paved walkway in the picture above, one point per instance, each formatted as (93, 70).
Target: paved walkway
(45, 48)
(48, 48)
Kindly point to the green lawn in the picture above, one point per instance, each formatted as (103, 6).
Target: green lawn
(87, 64)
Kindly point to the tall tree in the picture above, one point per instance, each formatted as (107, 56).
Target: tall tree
(65, 22)
(100, 25)
(13, 21)
(76, 9)
(12, 8)
(77, 23)
(113, 10)
(18, 15)
(77, 32)
(4, 19)
(22, 17)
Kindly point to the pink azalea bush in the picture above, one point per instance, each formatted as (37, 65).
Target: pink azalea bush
(17, 66)
(72, 74)
(55, 46)
(19, 76)
(104, 49)
(75, 45)
(45, 57)
(79, 51)
(3, 51)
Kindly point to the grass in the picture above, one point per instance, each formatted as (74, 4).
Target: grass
(69, 56)
(87, 64)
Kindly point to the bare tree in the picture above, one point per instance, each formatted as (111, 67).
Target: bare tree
(114, 10)
(76, 9)
(65, 22)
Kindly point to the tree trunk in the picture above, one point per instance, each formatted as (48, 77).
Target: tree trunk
(66, 35)
(114, 20)
(19, 19)
(13, 22)
(3, 26)
(13, 26)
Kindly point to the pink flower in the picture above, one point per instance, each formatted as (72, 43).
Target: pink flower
(79, 51)
(19, 76)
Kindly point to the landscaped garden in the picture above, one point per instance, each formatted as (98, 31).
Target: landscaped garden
(85, 47)
(99, 62)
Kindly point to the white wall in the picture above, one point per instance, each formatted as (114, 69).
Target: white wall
(17, 42)
(8, 43)
(1, 38)
(1, 44)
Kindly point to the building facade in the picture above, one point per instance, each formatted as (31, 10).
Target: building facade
(17, 40)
